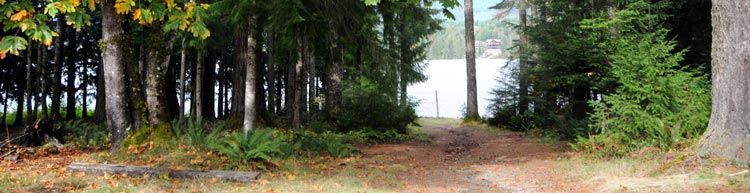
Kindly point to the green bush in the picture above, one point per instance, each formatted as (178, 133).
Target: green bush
(656, 105)
(365, 106)
(255, 146)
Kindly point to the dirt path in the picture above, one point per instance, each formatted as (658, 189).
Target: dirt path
(467, 159)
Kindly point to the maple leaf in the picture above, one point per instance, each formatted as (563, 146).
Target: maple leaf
(20, 15)
(124, 6)
(2, 2)
(92, 4)
(2, 55)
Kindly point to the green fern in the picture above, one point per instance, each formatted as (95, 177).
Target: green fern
(255, 146)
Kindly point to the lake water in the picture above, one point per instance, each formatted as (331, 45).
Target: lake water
(448, 77)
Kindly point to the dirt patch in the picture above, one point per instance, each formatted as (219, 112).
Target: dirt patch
(467, 159)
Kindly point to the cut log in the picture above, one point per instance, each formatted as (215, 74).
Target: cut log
(101, 169)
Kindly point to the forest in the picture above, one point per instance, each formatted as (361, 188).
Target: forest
(312, 96)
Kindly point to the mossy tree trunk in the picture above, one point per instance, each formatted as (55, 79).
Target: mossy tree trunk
(158, 54)
(115, 79)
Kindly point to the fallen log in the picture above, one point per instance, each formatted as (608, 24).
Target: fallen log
(101, 169)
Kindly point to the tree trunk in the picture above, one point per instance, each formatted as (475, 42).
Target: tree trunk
(472, 112)
(29, 83)
(158, 51)
(42, 72)
(198, 86)
(523, 82)
(249, 58)
(238, 75)
(115, 79)
(271, 75)
(70, 63)
(84, 94)
(209, 78)
(100, 112)
(220, 81)
(183, 60)
(5, 109)
(20, 100)
(57, 70)
(334, 86)
(296, 116)
(729, 126)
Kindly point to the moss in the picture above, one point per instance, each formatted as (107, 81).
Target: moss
(160, 133)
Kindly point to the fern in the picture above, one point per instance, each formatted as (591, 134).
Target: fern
(255, 146)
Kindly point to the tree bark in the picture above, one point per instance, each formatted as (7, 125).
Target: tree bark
(100, 112)
(29, 83)
(183, 56)
(57, 70)
(118, 118)
(158, 51)
(249, 58)
(199, 86)
(42, 79)
(472, 112)
(729, 127)
(70, 63)
(296, 116)
(334, 86)
(20, 94)
(238, 75)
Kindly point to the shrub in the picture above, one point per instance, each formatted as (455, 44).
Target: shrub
(656, 105)
(326, 142)
(366, 106)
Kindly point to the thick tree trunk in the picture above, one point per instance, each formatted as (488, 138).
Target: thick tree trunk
(729, 127)
(183, 60)
(334, 82)
(29, 83)
(238, 75)
(158, 51)
(57, 70)
(115, 80)
(523, 82)
(199, 86)
(472, 111)
(297, 116)
(249, 58)
(70, 63)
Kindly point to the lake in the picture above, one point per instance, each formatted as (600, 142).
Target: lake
(448, 77)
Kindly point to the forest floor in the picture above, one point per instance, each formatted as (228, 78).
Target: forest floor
(448, 157)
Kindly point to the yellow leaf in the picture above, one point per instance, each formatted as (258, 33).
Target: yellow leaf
(92, 4)
(19, 16)
(2, 2)
(170, 4)
(137, 14)
(291, 176)
(75, 3)
(205, 6)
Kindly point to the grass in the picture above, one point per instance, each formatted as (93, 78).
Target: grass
(637, 174)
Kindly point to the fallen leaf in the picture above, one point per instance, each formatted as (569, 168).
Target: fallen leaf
(79, 174)
(212, 180)
(291, 177)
